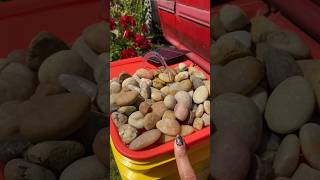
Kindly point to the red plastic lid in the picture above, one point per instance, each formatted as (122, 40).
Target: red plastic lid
(130, 66)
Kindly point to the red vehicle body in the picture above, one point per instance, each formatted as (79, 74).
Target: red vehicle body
(21, 20)
(186, 25)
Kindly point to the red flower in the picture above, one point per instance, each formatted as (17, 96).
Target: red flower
(128, 53)
(112, 23)
(126, 21)
(144, 28)
(142, 42)
(139, 39)
(126, 34)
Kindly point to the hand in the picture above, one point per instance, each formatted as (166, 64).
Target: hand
(185, 169)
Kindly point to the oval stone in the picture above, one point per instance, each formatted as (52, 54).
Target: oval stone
(145, 139)
(293, 95)
(287, 157)
(310, 144)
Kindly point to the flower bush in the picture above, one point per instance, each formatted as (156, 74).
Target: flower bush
(128, 38)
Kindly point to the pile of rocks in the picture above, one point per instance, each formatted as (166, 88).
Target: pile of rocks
(265, 92)
(52, 108)
(154, 106)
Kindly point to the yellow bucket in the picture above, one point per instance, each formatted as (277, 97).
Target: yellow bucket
(163, 167)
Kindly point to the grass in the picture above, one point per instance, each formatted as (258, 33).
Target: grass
(114, 172)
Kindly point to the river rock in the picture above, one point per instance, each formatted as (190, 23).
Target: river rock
(77, 84)
(145, 139)
(181, 112)
(115, 87)
(19, 69)
(127, 110)
(200, 95)
(166, 77)
(167, 90)
(239, 76)
(136, 120)
(17, 169)
(100, 146)
(219, 30)
(119, 118)
(287, 157)
(200, 110)
(261, 27)
(55, 155)
(9, 120)
(170, 101)
(206, 106)
(228, 153)
(127, 98)
(84, 169)
(196, 82)
(169, 115)
(245, 121)
(186, 130)
(15, 87)
(127, 133)
(280, 66)
(233, 17)
(11, 149)
(150, 120)
(169, 127)
(123, 76)
(184, 85)
(144, 73)
(290, 42)
(159, 108)
(63, 62)
(305, 172)
(96, 36)
(181, 76)
(310, 144)
(60, 115)
(243, 36)
(206, 119)
(198, 123)
(158, 83)
(47, 89)
(129, 81)
(145, 85)
(226, 50)
(145, 107)
(259, 97)
(42, 46)
(293, 95)
(157, 96)
(311, 69)
(182, 97)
